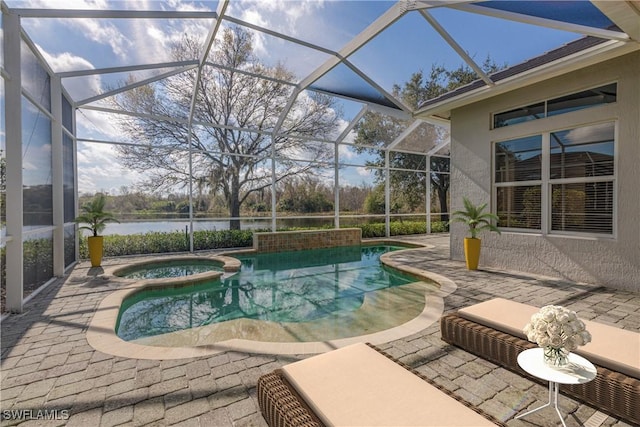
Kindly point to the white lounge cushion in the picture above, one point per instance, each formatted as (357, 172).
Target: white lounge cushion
(357, 386)
(610, 347)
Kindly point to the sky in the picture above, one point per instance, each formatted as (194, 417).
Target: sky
(407, 46)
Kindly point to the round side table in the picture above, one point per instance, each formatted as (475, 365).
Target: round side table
(577, 371)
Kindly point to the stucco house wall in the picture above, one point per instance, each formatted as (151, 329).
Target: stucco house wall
(609, 261)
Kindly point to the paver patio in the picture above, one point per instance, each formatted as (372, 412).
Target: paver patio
(48, 364)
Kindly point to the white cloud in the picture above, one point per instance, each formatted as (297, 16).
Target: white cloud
(364, 172)
(97, 125)
(99, 30)
(65, 61)
(283, 16)
(100, 170)
(78, 87)
(279, 15)
(104, 33)
(346, 152)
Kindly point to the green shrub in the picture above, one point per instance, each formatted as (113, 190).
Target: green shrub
(177, 241)
(375, 229)
(396, 228)
(403, 228)
(440, 227)
(209, 239)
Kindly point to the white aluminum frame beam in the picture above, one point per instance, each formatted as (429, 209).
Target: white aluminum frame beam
(186, 121)
(459, 50)
(384, 21)
(133, 114)
(438, 147)
(94, 71)
(113, 14)
(13, 134)
(405, 133)
(278, 35)
(413, 127)
(133, 85)
(432, 4)
(57, 168)
(208, 44)
(249, 73)
(376, 86)
(352, 124)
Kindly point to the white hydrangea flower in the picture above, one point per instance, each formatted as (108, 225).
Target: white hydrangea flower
(541, 327)
(548, 315)
(554, 329)
(557, 327)
(562, 317)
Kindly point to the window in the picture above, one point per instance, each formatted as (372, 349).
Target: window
(518, 171)
(564, 104)
(567, 176)
(581, 173)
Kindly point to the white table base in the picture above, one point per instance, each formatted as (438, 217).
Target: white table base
(553, 400)
(578, 371)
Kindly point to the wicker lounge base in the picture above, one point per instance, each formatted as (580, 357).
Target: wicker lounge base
(611, 392)
(282, 406)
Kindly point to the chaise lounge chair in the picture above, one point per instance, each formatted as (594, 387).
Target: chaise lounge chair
(360, 385)
(493, 331)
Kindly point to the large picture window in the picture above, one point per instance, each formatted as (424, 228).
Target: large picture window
(558, 182)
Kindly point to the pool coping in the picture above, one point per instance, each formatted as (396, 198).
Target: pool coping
(102, 337)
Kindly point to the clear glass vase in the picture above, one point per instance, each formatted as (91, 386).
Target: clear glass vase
(556, 357)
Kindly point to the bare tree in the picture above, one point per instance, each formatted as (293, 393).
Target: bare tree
(227, 158)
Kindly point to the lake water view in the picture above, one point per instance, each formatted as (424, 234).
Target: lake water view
(142, 227)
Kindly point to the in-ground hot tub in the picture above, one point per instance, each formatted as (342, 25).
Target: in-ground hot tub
(169, 267)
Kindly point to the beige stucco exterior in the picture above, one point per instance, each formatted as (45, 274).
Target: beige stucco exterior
(609, 261)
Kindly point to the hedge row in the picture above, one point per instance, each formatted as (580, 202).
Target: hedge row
(158, 242)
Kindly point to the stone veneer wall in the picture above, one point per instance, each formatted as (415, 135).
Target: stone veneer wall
(307, 239)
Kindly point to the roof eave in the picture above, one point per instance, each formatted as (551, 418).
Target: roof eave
(567, 64)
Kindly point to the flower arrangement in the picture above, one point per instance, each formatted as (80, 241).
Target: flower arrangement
(558, 331)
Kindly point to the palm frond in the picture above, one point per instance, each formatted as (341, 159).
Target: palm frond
(476, 219)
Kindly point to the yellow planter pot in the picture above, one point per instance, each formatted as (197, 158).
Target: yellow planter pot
(95, 250)
(472, 252)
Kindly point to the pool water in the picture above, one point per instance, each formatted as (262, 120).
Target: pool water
(315, 287)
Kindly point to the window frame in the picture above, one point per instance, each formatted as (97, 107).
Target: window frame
(546, 184)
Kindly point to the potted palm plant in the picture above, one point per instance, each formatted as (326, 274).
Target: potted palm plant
(96, 219)
(477, 220)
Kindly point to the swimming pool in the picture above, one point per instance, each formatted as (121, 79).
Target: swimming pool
(297, 296)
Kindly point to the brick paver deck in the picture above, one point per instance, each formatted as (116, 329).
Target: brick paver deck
(48, 364)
